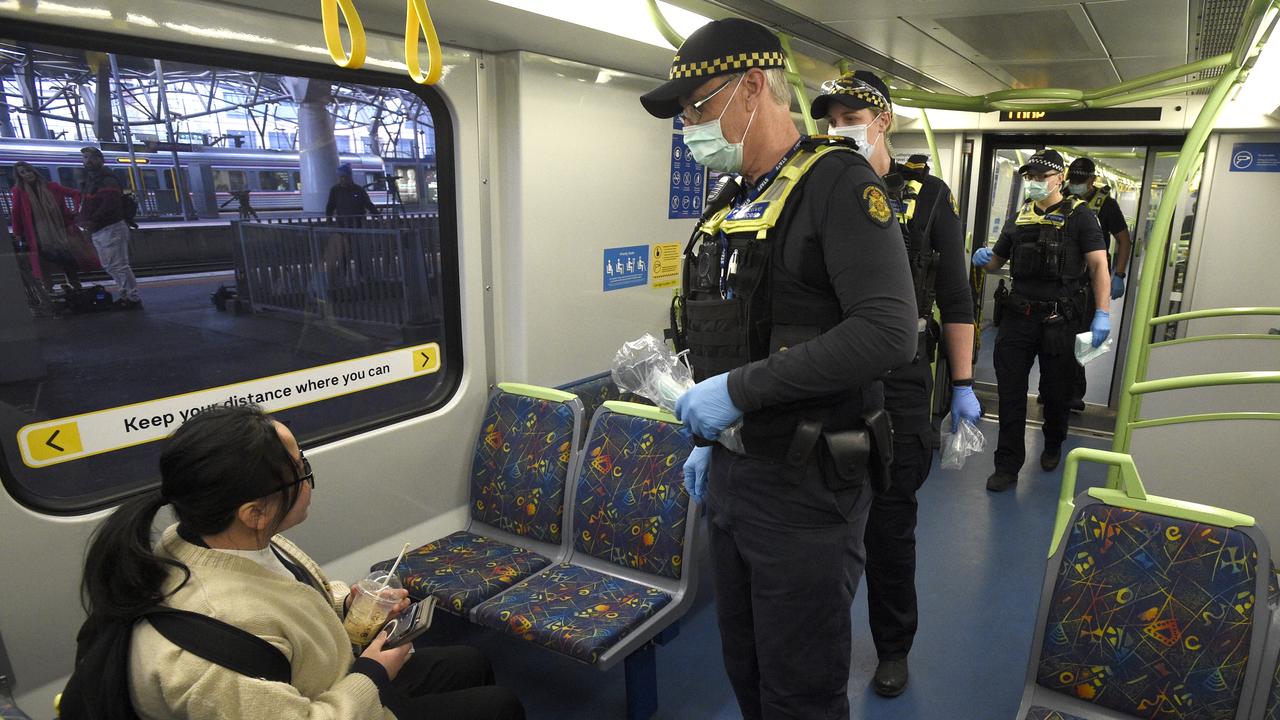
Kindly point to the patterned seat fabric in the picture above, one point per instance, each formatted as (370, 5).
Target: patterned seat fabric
(521, 464)
(573, 610)
(594, 391)
(630, 505)
(10, 711)
(1151, 616)
(463, 570)
(1039, 713)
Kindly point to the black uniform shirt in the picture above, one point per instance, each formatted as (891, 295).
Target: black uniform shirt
(831, 242)
(1082, 226)
(946, 237)
(1111, 219)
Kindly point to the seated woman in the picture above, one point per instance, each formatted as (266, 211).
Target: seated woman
(235, 478)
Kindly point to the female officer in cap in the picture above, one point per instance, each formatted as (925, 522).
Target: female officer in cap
(858, 106)
(1059, 257)
(795, 302)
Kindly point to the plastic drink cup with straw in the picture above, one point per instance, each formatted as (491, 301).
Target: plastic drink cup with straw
(372, 604)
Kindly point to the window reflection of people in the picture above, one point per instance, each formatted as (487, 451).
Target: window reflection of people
(235, 478)
(102, 216)
(348, 201)
(45, 225)
(245, 207)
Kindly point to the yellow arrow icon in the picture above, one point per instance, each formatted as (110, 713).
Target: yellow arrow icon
(426, 358)
(55, 441)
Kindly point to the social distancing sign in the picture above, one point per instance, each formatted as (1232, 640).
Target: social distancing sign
(78, 436)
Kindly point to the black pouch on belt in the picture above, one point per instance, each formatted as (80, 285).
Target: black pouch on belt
(863, 452)
(1001, 297)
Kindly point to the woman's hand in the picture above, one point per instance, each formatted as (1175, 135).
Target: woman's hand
(391, 659)
(403, 603)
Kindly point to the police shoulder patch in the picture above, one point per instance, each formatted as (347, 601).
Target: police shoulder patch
(955, 206)
(875, 204)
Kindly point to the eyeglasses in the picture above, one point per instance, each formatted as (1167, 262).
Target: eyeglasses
(307, 476)
(1038, 176)
(692, 115)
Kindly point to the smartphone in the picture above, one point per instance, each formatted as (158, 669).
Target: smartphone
(410, 624)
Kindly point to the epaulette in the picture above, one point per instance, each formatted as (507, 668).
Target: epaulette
(916, 167)
(812, 142)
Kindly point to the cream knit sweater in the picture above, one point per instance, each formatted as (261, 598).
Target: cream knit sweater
(168, 682)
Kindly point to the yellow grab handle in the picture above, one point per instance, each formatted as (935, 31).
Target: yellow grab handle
(333, 33)
(417, 17)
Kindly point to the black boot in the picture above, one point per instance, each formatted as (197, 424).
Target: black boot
(1050, 458)
(891, 678)
(1001, 481)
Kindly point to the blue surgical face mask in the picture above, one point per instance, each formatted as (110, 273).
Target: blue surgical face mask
(858, 134)
(708, 145)
(1078, 189)
(1037, 190)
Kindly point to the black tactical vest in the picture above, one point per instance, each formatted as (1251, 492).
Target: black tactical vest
(1042, 248)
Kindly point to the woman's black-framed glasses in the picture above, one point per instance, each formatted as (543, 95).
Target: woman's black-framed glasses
(307, 475)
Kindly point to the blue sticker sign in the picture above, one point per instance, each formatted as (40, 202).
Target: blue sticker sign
(1255, 157)
(685, 197)
(626, 267)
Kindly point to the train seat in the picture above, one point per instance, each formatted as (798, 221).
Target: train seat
(1150, 606)
(629, 575)
(523, 458)
(9, 709)
(595, 390)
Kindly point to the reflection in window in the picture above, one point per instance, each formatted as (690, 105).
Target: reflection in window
(242, 277)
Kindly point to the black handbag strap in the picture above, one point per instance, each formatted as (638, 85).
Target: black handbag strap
(221, 644)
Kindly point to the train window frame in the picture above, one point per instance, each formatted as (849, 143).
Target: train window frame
(451, 341)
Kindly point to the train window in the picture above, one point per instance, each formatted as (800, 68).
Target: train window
(229, 180)
(336, 328)
(273, 180)
(6, 177)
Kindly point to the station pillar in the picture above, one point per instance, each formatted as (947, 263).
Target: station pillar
(317, 148)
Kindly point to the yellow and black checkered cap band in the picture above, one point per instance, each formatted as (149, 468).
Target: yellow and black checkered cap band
(728, 64)
(850, 86)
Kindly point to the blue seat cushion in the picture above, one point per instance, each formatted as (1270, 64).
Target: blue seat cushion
(1151, 615)
(464, 569)
(1042, 713)
(573, 610)
(10, 711)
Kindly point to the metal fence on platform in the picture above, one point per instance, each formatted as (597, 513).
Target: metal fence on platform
(385, 273)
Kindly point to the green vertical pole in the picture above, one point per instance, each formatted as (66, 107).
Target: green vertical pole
(1135, 367)
(928, 137)
(660, 21)
(797, 85)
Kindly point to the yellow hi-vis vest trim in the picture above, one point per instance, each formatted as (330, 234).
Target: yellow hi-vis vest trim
(1028, 216)
(1099, 197)
(760, 215)
(908, 211)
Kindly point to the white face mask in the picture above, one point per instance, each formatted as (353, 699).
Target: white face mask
(858, 134)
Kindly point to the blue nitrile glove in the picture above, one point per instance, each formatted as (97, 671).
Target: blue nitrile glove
(1117, 286)
(1101, 327)
(964, 406)
(706, 407)
(983, 256)
(695, 471)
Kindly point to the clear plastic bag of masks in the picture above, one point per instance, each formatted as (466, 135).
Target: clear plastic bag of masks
(1086, 352)
(647, 367)
(959, 445)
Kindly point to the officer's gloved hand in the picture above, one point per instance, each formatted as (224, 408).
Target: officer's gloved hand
(695, 471)
(706, 407)
(983, 256)
(964, 406)
(1101, 327)
(1117, 286)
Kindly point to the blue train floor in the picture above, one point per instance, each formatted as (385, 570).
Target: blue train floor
(981, 563)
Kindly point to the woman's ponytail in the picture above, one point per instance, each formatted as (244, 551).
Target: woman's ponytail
(122, 574)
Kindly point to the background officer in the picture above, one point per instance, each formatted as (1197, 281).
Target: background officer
(790, 335)
(858, 106)
(1059, 256)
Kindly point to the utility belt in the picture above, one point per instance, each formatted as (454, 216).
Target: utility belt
(864, 451)
(1069, 308)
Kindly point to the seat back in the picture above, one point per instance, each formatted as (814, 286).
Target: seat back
(523, 458)
(630, 509)
(595, 391)
(1150, 606)
(8, 707)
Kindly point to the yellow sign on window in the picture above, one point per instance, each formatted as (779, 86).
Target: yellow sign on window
(664, 265)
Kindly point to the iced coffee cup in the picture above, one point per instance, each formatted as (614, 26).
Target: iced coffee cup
(371, 606)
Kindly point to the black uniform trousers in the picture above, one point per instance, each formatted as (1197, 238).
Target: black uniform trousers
(1020, 341)
(786, 552)
(891, 525)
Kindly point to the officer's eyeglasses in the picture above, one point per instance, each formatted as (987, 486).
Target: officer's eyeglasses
(307, 475)
(692, 114)
(1038, 177)
(852, 86)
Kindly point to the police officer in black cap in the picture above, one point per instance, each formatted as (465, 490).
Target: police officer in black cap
(858, 105)
(796, 299)
(1059, 260)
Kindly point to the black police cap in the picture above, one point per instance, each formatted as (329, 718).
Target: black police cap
(720, 47)
(1045, 161)
(854, 90)
(1081, 168)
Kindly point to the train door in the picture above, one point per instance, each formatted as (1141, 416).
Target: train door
(1136, 174)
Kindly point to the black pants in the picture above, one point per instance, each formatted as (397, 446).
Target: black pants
(1020, 341)
(1078, 387)
(450, 682)
(787, 553)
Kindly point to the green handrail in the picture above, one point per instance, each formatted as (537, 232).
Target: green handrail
(1211, 338)
(1187, 382)
(1212, 312)
(797, 84)
(660, 21)
(1130, 494)
(933, 144)
(1204, 417)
